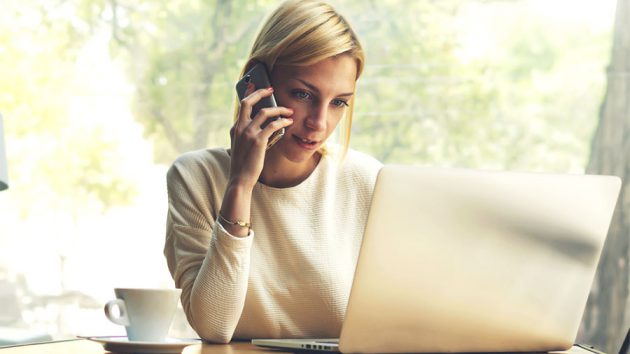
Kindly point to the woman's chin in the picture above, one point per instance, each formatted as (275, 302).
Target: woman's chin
(292, 151)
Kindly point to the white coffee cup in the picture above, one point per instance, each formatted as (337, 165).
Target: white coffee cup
(146, 313)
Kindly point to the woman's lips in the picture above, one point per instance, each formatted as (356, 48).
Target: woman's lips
(306, 143)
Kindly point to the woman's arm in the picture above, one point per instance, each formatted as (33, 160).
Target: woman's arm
(208, 252)
(249, 144)
(207, 263)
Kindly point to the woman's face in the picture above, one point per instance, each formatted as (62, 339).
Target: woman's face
(319, 96)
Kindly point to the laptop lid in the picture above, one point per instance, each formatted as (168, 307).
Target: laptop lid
(330, 346)
(457, 260)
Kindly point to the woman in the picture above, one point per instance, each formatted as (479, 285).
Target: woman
(263, 243)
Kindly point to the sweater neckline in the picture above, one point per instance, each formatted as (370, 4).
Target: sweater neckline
(305, 184)
(324, 160)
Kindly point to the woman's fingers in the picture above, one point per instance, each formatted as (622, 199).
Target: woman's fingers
(250, 137)
(270, 113)
(247, 103)
(258, 129)
(273, 127)
(265, 116)
(258, 122)
(259, 136)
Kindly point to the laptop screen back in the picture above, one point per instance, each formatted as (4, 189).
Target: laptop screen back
(463, 260)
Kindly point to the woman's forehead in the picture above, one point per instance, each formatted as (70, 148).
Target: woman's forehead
(339, 71)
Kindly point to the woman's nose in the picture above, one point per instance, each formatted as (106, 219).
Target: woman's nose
(317, 119)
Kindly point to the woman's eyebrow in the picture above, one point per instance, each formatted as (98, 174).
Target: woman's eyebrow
(313, 88)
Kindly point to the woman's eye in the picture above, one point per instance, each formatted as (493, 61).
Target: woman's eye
(301, 95)
(340, 103)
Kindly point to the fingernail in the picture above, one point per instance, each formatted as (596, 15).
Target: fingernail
(270, 88)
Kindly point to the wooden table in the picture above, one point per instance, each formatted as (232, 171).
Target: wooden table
(84, 346)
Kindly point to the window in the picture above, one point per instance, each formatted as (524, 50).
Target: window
(98, 100)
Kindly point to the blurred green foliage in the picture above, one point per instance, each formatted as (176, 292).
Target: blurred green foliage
(526, 101)
(531, 104)
(56, 163)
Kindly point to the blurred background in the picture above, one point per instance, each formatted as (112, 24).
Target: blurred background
(100, 96)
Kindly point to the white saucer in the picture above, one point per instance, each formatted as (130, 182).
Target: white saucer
(124, 345)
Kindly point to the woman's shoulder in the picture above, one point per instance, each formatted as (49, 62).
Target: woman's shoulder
(354, 165)
(203, 157)
(205, 161)
(353, 159)
(357, 159)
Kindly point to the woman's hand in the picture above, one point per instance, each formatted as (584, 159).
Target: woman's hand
(249, 140)
(249, 143)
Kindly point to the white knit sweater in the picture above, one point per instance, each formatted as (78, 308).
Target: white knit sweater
(291, 276)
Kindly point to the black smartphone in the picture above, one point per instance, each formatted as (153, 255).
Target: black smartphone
(258, 78)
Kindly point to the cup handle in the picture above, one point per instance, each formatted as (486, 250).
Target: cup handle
(121, 318)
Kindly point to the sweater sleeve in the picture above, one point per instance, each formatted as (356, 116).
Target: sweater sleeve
(206, 262)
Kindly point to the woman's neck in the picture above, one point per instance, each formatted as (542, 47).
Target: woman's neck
(280, 172)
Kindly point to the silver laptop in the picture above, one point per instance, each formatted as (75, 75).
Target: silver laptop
(457, 260)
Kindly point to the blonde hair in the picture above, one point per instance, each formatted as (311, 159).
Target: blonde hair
(304, 32)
